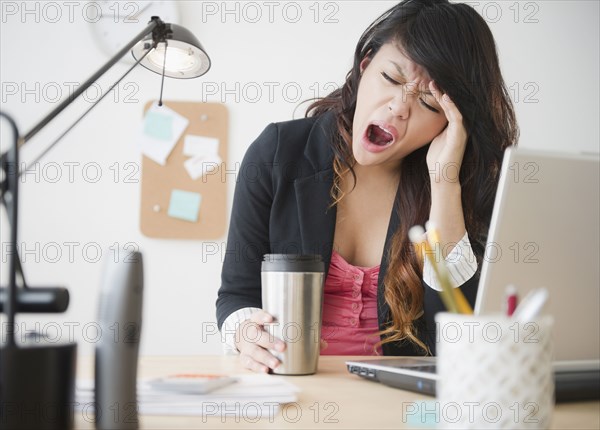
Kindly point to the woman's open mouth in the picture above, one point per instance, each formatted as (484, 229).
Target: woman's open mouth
(378, 137)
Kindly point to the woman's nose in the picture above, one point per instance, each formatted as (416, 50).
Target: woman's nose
(399, 105)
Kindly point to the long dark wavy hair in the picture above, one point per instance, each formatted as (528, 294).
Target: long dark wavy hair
(453, 43)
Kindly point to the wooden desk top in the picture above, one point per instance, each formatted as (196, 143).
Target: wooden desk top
(332, 398)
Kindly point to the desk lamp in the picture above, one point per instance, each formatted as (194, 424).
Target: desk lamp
(37, 378)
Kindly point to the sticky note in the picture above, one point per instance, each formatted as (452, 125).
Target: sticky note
(195, 146)
(159, 132)
(158, 125)
(424, 414)
(202, 165)
(184, 205)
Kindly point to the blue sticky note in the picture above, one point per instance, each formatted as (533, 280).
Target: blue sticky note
(158, 125)
(421, 414)
(184, 205)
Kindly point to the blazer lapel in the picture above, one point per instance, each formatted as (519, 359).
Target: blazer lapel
(315, 216)
(382, 306)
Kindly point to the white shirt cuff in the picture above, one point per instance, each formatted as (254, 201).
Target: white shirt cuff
(230, 326)
(461, 264)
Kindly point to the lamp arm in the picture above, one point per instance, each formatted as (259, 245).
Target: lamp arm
(64, 133)
(153, 24)
(10, 167)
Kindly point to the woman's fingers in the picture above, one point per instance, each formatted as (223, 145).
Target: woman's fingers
(255, 342)
(250, 363)
(261, 317)
(452, 113)
(266, 340)
(258, 359)
(254, 333)
(454, 137)
(253, 345)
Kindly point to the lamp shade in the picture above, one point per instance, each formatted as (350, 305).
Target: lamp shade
(185, 58)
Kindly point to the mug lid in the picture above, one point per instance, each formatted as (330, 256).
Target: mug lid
(293, 263)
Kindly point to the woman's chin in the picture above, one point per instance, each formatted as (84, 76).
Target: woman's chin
(366, 158)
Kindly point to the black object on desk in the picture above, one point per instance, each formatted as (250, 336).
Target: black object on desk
(38, 300)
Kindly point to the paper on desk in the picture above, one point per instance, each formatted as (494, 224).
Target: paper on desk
(159, 132)
(251, 397)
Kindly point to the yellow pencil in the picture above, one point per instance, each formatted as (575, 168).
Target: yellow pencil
(459, 298)
(417, 236)
(453, 298)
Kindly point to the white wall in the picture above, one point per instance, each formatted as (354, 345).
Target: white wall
(554, 61)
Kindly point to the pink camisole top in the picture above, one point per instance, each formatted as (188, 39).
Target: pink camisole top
(350, 323)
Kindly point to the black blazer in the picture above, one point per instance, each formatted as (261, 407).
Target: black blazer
(282, 205)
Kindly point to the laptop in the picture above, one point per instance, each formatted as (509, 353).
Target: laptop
(546, 224)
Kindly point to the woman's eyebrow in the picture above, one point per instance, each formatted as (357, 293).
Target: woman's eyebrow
(398, 69)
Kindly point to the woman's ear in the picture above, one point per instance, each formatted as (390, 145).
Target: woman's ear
(364, 63)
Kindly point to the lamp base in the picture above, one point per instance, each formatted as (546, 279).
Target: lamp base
(37, 385)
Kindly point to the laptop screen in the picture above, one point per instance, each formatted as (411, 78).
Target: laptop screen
(545, 233)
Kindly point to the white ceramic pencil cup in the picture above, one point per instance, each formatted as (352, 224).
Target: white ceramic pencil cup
(494, 372)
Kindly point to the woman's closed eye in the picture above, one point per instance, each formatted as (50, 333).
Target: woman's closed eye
(389, 79)
(431, 108)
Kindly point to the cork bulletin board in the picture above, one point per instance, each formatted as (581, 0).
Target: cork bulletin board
(162, 185)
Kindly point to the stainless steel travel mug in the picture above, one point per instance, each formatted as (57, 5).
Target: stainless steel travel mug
(292, 291)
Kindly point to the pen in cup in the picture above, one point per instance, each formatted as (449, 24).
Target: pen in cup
(511, 298)
(531, 305)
